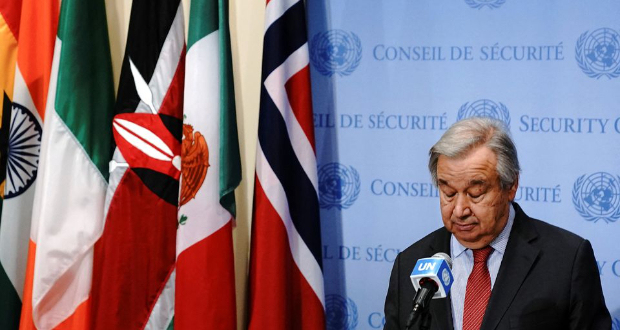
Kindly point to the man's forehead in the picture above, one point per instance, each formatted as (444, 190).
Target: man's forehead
(480, 160)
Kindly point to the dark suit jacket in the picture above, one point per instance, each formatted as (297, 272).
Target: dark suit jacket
(548, 279)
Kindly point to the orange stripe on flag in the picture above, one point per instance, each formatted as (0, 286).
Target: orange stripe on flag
(36, 47)
(78, 320)
(26, 322)
(8, 55)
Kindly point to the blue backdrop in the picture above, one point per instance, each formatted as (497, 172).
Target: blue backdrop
(389, 77)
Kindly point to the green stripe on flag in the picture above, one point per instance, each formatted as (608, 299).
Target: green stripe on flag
(230, 161)
(202, 20)
(10, 304)
(85, 92)
(207, 16)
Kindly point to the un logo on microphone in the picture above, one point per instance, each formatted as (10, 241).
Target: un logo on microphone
(485, 108)
(340, 313)
(477, 4)
(597, 197)
(339, 186)
(445, 277)
(335, 51)
(598, 53)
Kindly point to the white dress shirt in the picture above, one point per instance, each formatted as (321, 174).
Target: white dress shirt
(463, 263)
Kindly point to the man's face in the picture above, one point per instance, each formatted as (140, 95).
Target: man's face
(474, 207)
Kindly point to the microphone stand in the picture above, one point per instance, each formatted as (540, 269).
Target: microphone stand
(425, 324)
(420, 305)
(423, 316)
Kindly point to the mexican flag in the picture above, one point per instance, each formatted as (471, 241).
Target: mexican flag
(211, 170)
(72, 177)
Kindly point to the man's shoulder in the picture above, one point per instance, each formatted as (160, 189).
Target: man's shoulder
(551, 234)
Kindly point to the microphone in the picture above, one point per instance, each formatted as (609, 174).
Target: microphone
(432, 278)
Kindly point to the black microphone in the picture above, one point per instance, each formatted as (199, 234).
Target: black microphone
(432, 278)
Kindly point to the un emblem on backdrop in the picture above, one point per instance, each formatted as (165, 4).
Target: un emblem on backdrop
(597, 197)
(485, 108)
(477, 4)
(335, 51)
(341, 313)
(339, 186)
(598, 53)
(615, 324)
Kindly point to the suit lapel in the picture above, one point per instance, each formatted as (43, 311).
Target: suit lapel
(441, 309)
(518, 259)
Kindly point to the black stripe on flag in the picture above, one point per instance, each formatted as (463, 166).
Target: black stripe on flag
(148, 28)
(283, 37)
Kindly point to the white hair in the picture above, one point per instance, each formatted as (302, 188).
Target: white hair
(470, 133)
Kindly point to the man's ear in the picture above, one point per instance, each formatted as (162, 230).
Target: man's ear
(512, 191)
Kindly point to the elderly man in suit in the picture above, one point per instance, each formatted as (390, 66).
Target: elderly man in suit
(510, 271)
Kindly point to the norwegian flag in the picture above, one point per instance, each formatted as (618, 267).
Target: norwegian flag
(286, 279)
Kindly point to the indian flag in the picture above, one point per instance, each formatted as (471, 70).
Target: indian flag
(72, 178)
(37, 34)
(211, 170)
(10, 286)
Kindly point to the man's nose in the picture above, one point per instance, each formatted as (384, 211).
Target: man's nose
(462, 208)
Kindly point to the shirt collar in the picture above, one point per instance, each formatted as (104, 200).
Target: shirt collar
(498, 244)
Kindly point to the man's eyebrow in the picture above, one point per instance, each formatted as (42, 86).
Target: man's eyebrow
(442, 182)
(477, 182)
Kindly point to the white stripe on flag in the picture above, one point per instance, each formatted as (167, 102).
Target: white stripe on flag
(275, 9)
(67, 230)
(21, 94)
(17, 211)
(163, 311)
(202, 109)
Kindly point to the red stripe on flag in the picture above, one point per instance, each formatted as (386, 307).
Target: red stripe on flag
(298, 92)
(280, 296)
(10, 11)
(172, 104)
(205, 284)
(134, 257)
